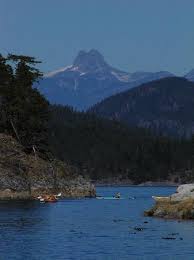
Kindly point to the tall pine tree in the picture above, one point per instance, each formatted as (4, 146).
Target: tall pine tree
(26, 110)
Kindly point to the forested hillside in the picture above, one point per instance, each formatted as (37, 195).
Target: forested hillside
(164, 106)
(105, 149)
(101, 149)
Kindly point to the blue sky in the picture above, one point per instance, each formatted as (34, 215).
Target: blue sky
(148, 35)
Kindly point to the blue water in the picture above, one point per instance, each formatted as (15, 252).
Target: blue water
(93, 229)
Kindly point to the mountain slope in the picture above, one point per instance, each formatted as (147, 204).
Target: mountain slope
(166, 106)
(106, 150)
(190, 75)
(89, 80)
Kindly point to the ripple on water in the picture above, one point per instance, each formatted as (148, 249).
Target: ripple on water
(93, 229)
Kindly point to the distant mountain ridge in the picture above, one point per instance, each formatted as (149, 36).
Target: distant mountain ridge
(190, 75)
(165, 106)
(89, 80)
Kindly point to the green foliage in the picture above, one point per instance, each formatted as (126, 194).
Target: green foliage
(107, 149)
(24, 111)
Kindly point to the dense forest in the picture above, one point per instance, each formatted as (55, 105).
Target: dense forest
(165, 106)
(105, 149)
(100, 148)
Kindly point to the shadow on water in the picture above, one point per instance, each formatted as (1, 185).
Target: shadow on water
(17, 204)
(18, 215)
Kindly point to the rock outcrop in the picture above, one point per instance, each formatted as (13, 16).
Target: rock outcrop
(24, 176)
(179, 205)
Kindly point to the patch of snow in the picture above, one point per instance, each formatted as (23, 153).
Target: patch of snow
(74, 68)
(53, 73)
(121, 77)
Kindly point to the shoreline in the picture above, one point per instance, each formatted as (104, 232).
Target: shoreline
(146, 184)
(178, 205)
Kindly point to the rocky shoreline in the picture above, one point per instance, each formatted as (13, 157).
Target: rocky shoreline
(130, 183)
(25, 176)
(179, 205)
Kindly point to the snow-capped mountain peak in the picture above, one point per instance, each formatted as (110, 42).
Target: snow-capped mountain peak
(91, 61)
(89, 80)
(85, 62)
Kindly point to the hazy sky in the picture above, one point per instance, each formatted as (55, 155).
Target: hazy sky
(149, 35)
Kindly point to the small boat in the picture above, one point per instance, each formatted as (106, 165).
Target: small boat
(58, 195)
(48, 198)
(42, 200)
(158, 198)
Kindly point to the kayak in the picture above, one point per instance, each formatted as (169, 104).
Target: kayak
(113, 198)
(108, 198)
(49, 198)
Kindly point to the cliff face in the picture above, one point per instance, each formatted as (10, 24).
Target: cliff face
(24, 176)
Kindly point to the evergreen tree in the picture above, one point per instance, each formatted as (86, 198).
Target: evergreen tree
(6, 81)
(113, 150)
(26, 109)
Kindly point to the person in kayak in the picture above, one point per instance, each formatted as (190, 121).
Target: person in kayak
(117, 195)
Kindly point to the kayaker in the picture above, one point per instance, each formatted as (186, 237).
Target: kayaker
(118, 195)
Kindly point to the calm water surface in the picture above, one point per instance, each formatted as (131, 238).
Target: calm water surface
(93, 229)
